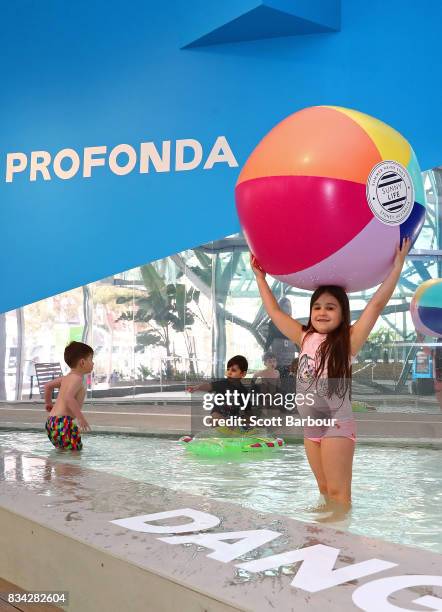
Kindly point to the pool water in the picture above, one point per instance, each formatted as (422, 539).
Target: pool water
(397, 491)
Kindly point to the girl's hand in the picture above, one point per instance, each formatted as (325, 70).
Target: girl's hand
(49, 407)
(258, 271)
(401, 253)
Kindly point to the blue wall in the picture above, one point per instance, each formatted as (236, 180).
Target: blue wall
(103, 73)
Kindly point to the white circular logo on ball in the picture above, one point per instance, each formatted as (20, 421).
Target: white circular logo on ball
(390, 192)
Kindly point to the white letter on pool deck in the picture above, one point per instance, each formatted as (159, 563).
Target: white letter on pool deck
(180, 164)
(89, 161)
(374, 594)
(248, 540)
(221, 152)
(148, 151)
(12, 168)
(316, 573)
(200, 521)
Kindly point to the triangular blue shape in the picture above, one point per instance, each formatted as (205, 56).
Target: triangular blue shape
(254, 20)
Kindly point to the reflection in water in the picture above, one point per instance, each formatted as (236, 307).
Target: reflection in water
(34, 470)
(37, 472)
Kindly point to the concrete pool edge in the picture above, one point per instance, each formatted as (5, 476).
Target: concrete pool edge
(78, 504)
(118, 584)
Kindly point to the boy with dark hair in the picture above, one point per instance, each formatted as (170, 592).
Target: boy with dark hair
(60, 426)
(236, 370)
(269, 373)
(267, 381)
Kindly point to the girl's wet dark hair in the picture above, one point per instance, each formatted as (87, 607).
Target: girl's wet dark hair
(334, 352)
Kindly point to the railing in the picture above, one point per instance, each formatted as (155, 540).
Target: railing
(408, 364)
(371, 365)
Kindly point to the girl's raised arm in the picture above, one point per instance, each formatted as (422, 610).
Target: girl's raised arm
(360, 331)
(289, 327)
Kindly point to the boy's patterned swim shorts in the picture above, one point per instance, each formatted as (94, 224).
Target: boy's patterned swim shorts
(63, 432)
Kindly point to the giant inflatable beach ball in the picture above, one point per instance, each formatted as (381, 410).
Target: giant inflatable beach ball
(426, 308)
(327, 195)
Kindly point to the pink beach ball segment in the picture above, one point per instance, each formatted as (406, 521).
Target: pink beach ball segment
(327, 195)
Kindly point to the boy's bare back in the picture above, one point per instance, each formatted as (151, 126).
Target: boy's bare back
(71, 386)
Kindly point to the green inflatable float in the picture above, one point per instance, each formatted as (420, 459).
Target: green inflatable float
(230, 442)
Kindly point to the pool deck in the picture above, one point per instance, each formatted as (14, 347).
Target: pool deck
(57, 523)
(173, 418)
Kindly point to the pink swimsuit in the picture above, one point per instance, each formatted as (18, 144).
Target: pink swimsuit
(324, 407)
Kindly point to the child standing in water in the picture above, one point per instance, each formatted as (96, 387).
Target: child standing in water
(60, 426)
(328, 345)
(269, 375)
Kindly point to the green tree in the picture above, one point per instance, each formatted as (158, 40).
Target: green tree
(376, 344)
(163, 309)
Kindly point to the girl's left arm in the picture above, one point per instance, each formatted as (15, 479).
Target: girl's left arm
(360, 331)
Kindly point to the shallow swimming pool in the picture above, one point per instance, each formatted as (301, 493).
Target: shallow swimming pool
(397, 491)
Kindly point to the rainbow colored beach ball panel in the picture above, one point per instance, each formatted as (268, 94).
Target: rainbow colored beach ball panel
(302, 202)
(426, 308)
